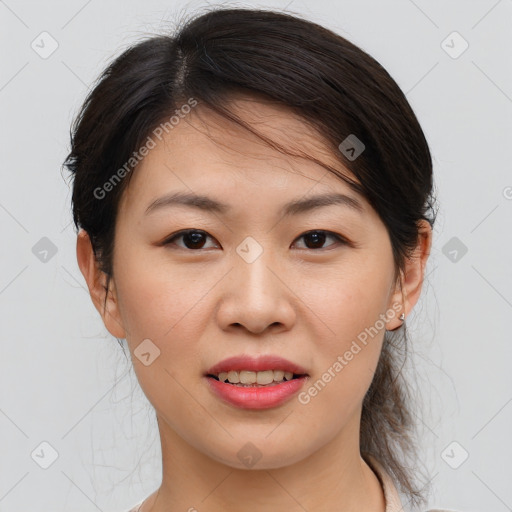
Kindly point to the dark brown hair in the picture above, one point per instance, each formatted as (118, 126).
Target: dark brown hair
(333, 86)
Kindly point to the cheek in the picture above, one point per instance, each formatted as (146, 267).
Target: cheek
(335, 397)
(159, 302)
(349, 299)
(345, 361)
(168, 308)
(350, 334)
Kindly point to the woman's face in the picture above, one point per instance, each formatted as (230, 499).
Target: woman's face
(250, 281)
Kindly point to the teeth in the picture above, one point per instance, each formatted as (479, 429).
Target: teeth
(232, 377)
(260, 378)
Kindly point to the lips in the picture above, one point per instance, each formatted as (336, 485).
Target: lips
(256, 364)
(256, 396)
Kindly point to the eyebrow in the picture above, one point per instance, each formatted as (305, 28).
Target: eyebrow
(294, 207)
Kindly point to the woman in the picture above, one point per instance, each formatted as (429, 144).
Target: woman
(208, 166)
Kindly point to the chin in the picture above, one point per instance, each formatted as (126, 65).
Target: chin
(260, 453)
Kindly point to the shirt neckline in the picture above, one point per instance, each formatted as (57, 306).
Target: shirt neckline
(391, 496)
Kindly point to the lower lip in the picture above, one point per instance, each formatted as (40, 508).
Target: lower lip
(263, 397)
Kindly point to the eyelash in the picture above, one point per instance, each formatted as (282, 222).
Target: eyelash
(180, 234)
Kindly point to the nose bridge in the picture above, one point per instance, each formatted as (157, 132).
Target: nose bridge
(253, 263)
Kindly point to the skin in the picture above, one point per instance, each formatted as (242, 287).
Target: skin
(302, 301)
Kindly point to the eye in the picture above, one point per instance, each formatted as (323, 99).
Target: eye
(317, 238)
(194, 239)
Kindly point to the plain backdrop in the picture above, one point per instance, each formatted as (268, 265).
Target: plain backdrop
(76, 431)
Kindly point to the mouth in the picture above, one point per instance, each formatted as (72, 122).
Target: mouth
(256, 390)
(255, 379)
(245, 370)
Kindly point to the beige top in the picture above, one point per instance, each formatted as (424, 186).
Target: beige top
(391, 496)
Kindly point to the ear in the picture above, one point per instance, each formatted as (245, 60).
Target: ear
(408, 287)
(96, 282)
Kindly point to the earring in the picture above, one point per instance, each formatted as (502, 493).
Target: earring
(401, 318)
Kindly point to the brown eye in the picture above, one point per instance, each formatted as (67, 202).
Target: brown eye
(192, 239)
(316, 239)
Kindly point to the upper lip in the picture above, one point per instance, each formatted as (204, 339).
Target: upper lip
(256, 364)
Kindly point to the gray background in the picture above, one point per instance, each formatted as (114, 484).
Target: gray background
(64, 379)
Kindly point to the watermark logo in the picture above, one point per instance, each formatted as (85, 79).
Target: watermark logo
(454, 45)
(44, 45)
(249, 249)
(351, 147)
(44, 455)
(249, 455)
(44, 250)
(146, 352)
(454, 249)
(455, 455)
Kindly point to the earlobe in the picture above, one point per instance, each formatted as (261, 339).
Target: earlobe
(96, 282)
(409, 285)
(396, 307)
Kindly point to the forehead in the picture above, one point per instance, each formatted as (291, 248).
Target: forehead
(207, 153)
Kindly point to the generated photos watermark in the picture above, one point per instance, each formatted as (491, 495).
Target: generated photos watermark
(143, 151)
(341, 361)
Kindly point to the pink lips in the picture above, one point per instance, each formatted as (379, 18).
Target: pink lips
(256, 397)
(256, 364)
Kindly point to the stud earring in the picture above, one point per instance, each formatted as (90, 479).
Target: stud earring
(401, 318)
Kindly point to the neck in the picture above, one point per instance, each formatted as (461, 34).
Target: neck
(334, 477)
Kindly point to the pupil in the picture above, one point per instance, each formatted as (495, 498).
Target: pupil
(195, 236)
(317, 237)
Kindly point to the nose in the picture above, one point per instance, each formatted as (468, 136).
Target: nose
(256, 296)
